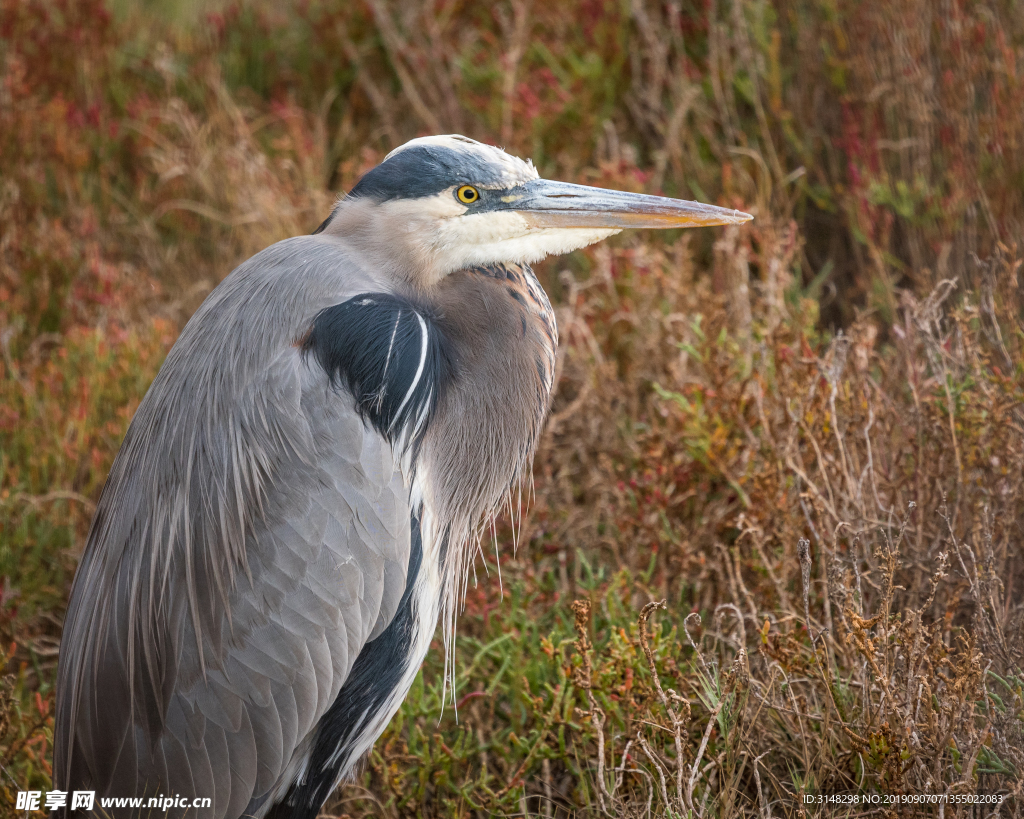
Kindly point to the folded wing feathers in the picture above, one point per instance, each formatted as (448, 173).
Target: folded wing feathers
(189, 511)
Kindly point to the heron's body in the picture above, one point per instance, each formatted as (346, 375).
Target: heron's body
(292, 507)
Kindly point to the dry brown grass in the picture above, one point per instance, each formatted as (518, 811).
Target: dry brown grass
(870, 497)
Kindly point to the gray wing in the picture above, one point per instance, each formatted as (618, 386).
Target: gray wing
(253, 535)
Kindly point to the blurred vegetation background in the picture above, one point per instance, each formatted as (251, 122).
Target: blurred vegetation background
(805, 435)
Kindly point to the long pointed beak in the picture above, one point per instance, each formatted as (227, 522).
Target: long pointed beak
(547, 204)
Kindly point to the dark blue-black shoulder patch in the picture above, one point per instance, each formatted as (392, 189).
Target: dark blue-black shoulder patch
(391, 355)
(372, 681)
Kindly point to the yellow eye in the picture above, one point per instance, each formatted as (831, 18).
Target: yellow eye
(467, 194)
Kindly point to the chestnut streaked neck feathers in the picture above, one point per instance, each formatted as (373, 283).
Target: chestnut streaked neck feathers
(480, 444)
(503, 334)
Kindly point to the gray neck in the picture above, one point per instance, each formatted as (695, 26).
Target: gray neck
(484, 432)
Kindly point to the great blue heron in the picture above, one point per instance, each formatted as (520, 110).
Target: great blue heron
(295, 501)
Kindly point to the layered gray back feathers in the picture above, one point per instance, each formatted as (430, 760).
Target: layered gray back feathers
(258, 535)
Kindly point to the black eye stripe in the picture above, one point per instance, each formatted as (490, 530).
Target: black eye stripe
(426, 170)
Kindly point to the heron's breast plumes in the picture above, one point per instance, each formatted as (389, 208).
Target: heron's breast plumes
(480, 444)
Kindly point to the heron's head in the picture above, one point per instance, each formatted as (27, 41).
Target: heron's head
(444, 203)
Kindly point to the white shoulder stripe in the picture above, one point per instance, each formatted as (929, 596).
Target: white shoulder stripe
(391, 349)
(419, 372)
